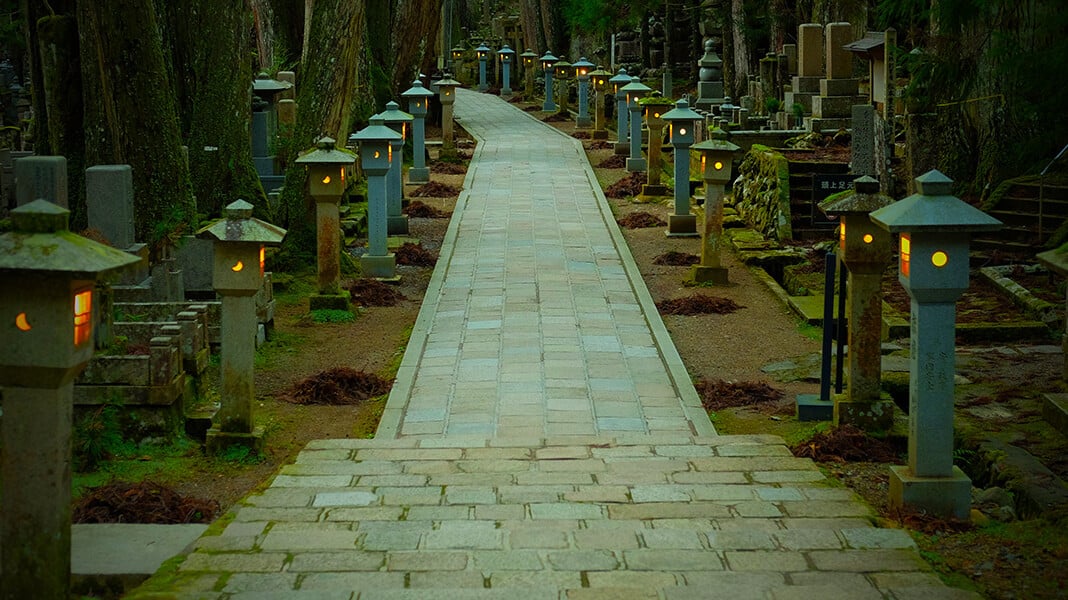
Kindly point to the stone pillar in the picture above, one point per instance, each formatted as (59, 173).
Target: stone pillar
(43, 177)
(290, 93)
(397, 222)
(234, 420)
(287, 113)
(419, 173)
(862, 158)
(635, 162)
(582, 120)
(838, 92)
(109, 198)
(378, 262)
(328, 236)
(549, 105)
(810, 56)
(711, 269)
(622, 124)
(653, 189)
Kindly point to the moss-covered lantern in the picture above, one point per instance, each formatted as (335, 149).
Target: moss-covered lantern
(47, 304)
(599, 80)
(716, 155)
(934, 228)
(447, 96)
(327, 167)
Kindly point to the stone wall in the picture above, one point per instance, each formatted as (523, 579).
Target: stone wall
(762, 192)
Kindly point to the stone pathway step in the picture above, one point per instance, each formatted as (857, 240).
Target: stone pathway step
(567, 518)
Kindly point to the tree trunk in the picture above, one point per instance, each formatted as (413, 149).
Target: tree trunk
(211, 54)
(326, 91)
(130, 113)
(413, 20)
(739, 81)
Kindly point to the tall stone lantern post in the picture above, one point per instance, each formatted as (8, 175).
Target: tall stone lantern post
(530, 58)
(327, 168)
(507, 55)
(239, 242)
(582, 73)
(934, 229)
(619, 81)
(547, 61)
(716, 156)
(376, 154)
(562, 74)
(482, 52)
(457, 54)
(681, 123)
(654, 107)
(634, 91)
(47, 303)
(447, 96)
(397, 120)
(866, 250)
(599, 79)
(418, 102)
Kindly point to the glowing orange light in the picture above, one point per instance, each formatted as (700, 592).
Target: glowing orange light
(326, 179)
(22, 323)
(842, 233)
(656, 115)
(939, 259)
(237, 267)
(83, 307)
(868, 238)
(703, 162)
(906, 249)
(378, 154)
(717, 165)
(262, 256)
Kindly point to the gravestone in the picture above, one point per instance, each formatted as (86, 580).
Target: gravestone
(832, 109)
(42, 177)
(806, 83)
(109, 197)
(710, 86)
(862, 161)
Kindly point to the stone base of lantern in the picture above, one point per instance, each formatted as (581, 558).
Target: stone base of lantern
(218, 441)
(682, 226)
(397, 225)
(869, 416)
(328, 302)
(599, 134)
(651, 193)
(622, 148)
(713, 275)
(583, 122)
(811, 408)
(506, 95)
(383, 268)
(939, 496)
(635, 165)
(418, 175)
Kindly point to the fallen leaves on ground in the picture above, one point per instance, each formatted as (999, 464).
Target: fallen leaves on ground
(555, 118)
(698, 304)
(639, 220)
(338, 386)
(415, 255)
(600, 145)
(616, 161)
(435, 189)
(447, 168)
(371, 292)
(631, 185)
(581, 135)
(142, 502)
(846, 443)
(422, 210)
(719, 394)
(677, 259)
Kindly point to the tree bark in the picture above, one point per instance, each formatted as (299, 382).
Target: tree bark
(130, 113)
(211, 56)
(413, 20)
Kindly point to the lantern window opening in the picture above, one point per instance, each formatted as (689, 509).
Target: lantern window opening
(718, 165)
(326, 179)
(22, 322)
(238, 267)
(868, 238)
(83, 313)
(906, 246)
(263, 259)
(842, 233)
(939, 258)
(704, 162)
(682, 131)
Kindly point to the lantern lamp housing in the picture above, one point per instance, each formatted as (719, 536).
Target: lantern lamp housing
(239, 241)
(418, 98)
(482, 51)
(326, 167)
(716, 156)
(547, 61)
(457, 53)
(506, 54)
(582, 68)
(635, 90)
(562, 69)
(861, 242)
(528, 58)
(396, 119)
(446, 89)
(373, 140)
(681, 122)
(619, 80)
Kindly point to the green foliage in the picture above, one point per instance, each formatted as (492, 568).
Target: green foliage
(799, 112)
(239, 455)
(772, 105)
(603, 17)
(329, 315)
(98, 436)
(117, 347)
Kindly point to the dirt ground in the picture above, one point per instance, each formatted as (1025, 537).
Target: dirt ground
(1011, 560)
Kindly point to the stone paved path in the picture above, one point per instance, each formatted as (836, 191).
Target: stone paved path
(542, 441)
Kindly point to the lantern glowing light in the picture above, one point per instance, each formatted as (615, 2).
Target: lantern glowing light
(717, 165)
(83, 308)
(326, 179)
(905, 251)
(237, 267)
(868, 238)
(22, 323)
(939, 259)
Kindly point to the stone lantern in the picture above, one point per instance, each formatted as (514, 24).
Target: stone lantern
(529, 58)
(397, 120)
(239, 243)
(327, 167)
(457, 54)
(865, 249)
(681, 123)
(547, 61)
(582, 73)
(376, 154)
(600, 79)
(716, 156)
(507, 55)
(620, 80)
(634, 91)
(418, 103)
(562, 73)
(482, 52)
(934, 229)
(447, 96)
(654, 107)
(47, 303)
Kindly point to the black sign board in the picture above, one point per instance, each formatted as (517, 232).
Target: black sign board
(824, 185)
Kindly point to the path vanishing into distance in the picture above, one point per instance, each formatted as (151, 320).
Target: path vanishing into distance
(543, 439)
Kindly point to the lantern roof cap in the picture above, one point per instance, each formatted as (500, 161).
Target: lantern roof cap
(393, 114)
(1056, 259)
(620, 77)
(264, 84)
(600, 72)
(447, 81)
(416, 90)
(716, 145)
(505, 50)
(563, 64)
(482, 48)
(681, 112)
(635, 85)
(376, 131)
(933, 208)
(548, 57)
(582, 62)
(240, 226)
(325, 153)
(41, 241)
(862, 199)
(529, 54)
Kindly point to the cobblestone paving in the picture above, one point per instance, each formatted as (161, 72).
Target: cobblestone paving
(542, 443)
